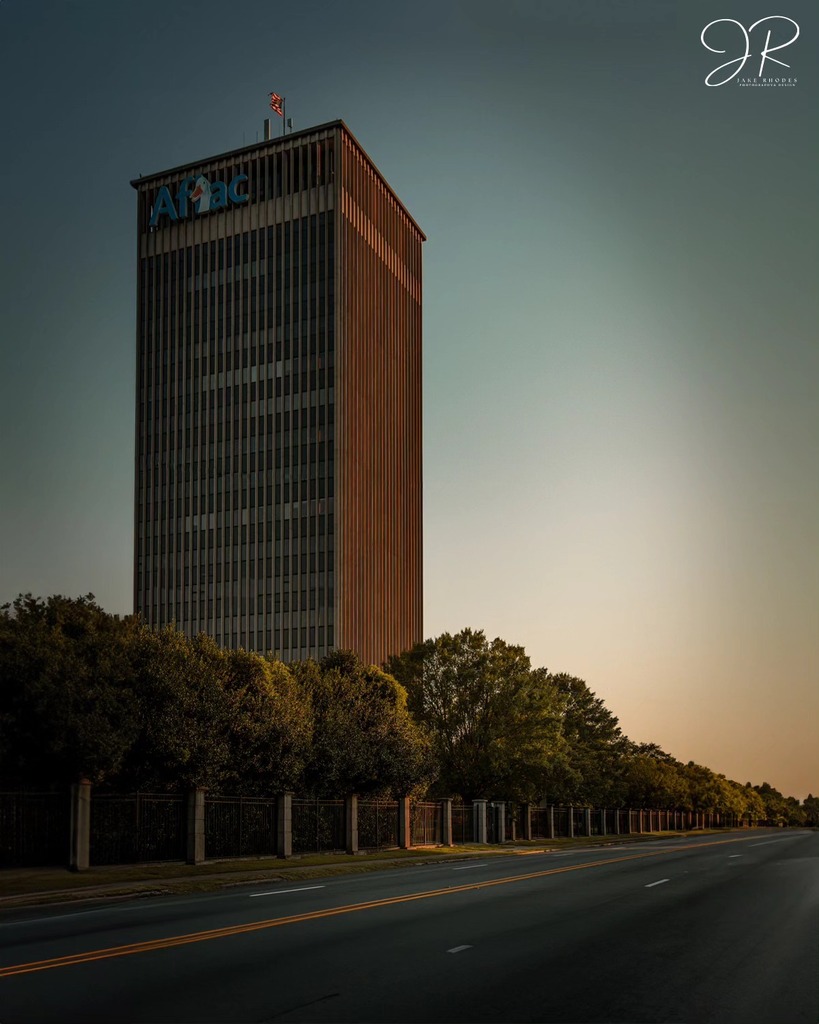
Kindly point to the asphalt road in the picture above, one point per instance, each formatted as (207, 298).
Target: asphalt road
(716, 929)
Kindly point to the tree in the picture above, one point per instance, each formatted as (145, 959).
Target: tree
(594, 749)
(776, 808)
(270, 724)
(184, 713)
(494, 722)
(810, 806)
(654, 778)
(67, 690)
(364, 740)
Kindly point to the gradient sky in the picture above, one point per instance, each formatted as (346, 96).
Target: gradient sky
(621, 368)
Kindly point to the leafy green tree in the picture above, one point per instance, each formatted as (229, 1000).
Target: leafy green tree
(776, 808)
(753, 805)
(364, 739)
(810, 806)
(594, 749)
(67, 690)
(270, 724)
(184, 713)
(654, 778)
(494, 722)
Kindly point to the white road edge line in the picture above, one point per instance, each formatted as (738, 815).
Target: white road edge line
(466, 867)
(281, 892)
(458, 949)
(769, 841)
(652, 884)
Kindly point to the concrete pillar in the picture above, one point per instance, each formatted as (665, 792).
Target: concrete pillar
(603, 822)
(499, 810)
(571, 822)
(404, 823)
(479, 821)
(526, 821)
(351, 823)
(284, 825)
(587, 824)
(196, 826)
(446, 823)
(551, 822)
(80, 829)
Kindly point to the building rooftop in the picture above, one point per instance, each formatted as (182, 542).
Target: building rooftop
(267, 145)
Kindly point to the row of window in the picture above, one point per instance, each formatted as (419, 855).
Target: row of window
(165, 276)
(199, 358)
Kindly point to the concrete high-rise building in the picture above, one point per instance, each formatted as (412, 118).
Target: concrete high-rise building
(278, 401)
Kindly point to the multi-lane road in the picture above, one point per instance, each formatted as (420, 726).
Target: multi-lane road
(719, 928)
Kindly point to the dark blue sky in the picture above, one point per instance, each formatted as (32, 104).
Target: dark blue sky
(621, 365)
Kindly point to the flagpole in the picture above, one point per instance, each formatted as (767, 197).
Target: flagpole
(284, 117)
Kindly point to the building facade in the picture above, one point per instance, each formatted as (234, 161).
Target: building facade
(278, 490)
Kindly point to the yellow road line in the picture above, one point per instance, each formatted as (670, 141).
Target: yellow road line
(277, 922)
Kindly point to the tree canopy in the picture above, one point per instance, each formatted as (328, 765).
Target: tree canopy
(494, 722)
(88, 694)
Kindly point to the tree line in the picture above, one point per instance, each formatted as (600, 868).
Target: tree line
(86, 693)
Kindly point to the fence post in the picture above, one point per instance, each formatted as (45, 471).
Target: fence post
(284, 825)
(80, 833)
(479, 821)
(587, 821)
(571, 821)
(617, 821)
(196, 825)
(499, 810)
(552, 821)
(526, 821)
(351, 823)
(603, 822)
(446, 822)
(404, 823)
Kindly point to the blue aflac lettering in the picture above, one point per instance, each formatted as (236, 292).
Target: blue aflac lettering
(190, 199)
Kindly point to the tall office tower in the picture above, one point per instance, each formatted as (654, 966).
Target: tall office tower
(278, 403)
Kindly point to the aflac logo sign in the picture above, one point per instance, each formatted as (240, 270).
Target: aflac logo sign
(201, 194)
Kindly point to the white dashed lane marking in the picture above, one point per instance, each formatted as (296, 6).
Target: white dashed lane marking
(283, 892)
(458, 949)
(652, 884)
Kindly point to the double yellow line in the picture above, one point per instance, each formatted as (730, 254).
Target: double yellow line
(350, 908)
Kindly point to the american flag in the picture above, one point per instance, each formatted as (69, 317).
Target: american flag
(276, 102)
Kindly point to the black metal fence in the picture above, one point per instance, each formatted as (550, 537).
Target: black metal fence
(462, 826)
(426, 823)
(377, 824)
(34, 828)
(540, 823)
(240, 826)
(138, 827)
(318, 826)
